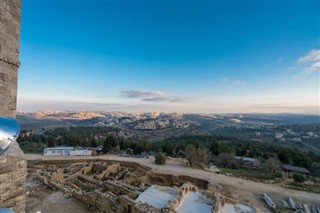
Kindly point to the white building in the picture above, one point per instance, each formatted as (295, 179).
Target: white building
(278, 135)
(66, 151)
(58, 151)
(296, 139)
(81, 152)
(310, 134)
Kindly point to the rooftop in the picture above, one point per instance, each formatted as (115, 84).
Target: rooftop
(245, 158)
(295, 169)
(60, 148)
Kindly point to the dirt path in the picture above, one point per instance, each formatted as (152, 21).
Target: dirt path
(248, 190)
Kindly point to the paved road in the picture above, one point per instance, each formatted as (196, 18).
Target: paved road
(248, 190)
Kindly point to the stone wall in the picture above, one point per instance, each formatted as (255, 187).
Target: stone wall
(12, 163)
(9, 55)
(13, 170)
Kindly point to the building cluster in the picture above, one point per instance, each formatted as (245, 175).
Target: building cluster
(289, 135)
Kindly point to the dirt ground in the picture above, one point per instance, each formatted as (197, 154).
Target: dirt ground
(44, 200)
(249, 191)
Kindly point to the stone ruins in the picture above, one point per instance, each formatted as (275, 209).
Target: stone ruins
(113, 187)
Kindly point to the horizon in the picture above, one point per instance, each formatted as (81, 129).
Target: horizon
(173, 112)
(181, 56)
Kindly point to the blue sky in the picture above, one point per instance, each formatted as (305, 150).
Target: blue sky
(188, 56)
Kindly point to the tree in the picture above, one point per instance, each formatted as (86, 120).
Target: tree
(111, 140)
(93, 143)
(202, 158)
(300, 158)
(160, 158)
(271, 166)
(315, 168)
(226, 160)
(214, 148)
(168, 148)
(191, 154)
(106, 146)
(51, 141)
(283, 157)
(196, 157)
(298, 178)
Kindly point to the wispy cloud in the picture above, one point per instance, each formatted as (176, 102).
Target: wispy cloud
(238, 83)
(168, 99)
(311, 61)
(142, 93)
(224, 79)
(154, 96)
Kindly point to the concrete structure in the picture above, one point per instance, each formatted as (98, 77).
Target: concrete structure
(12, 163)
(58, 151)
(83, 152)
(66, 151)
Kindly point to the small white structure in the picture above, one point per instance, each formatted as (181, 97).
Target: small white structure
(296, 139)
(58, 151)
(278, 135)
(81, 152)
(66, 151)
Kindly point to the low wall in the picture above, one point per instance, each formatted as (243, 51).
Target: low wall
(176, 180)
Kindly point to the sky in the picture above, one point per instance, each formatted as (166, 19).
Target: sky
(209, 56)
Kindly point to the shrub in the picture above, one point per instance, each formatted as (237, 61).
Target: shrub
(278, 174)
(160, 158)
(181, 153)
(298, 178)
(129, 151)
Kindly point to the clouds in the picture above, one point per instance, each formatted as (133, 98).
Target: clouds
(153, 96)
(311, 61)
(168, 99)
(142, 93)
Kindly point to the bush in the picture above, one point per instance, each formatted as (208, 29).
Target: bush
(298, 178)
(181, 153)
(160, 158)
(129, 151)
(278, 174)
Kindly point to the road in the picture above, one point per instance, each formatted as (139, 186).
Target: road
(246, 189)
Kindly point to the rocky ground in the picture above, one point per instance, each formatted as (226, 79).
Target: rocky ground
(41, 198)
